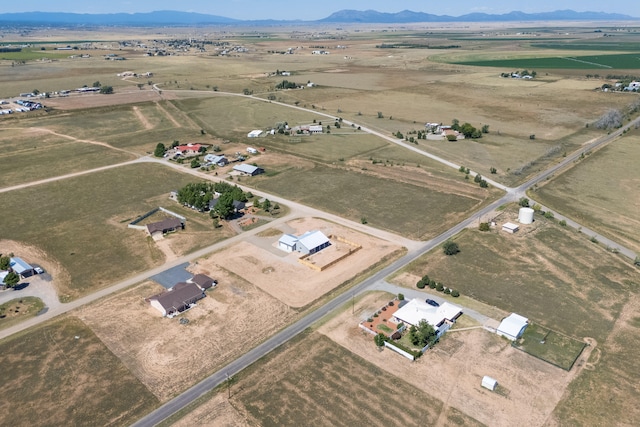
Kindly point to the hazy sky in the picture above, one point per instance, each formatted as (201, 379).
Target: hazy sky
(311, 10)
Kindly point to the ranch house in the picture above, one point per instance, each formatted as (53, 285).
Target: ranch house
(178, 299)
(441, 318)
(165, 226)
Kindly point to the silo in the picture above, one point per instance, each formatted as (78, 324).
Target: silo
(525, 216)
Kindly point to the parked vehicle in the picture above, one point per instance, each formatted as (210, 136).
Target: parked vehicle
(432, 302)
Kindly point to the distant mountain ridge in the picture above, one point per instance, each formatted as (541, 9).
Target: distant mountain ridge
(168, 17)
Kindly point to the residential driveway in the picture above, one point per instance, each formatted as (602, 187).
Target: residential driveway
(170, 277)
(38, 286)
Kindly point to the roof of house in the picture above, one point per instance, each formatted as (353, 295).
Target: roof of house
(165, 224)
(19, 265)
(238, 205)
(416, 310)
(180, 295)
(213, 158)
(313, 239)
(189, 147)
(245, 168)
(202, 280)
(513, 324)
(288, 239)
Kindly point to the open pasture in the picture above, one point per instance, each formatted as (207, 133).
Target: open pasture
(599, 191)
(313, 381)
(550, 346)
(553, 275)
(60, 373)
(28, 154)
(620, 61)
(414, 211)
(83, 223)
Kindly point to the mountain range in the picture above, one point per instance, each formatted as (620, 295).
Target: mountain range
(175, 18)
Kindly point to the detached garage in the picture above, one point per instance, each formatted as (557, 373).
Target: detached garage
(512, 326)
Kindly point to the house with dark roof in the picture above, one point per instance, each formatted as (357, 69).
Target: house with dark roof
(165, 226)
(178, 299)
(203, 281)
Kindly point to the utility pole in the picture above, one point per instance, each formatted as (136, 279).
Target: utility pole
(228, 386)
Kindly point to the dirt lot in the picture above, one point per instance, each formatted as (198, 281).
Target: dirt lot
(283, 277)
(169, 357)
(529, 389)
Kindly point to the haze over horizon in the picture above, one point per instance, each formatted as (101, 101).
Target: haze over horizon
(282, 9)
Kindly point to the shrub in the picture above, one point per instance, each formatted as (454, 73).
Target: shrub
(390, 303)
(379, 339)
(432, 284)
(450, 247)
(484, 226)
(447, 291)
(400, 297)
(439, 287)
(400, 325)
(524, 202)
(548, 215)
(563, 223)
(375, 314)
(455, 293)
(370, 319)
(420, 284)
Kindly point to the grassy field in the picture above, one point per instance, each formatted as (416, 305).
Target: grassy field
(81, 222)
(550, 346)
(550, 274)
(19, 309)
(390, 206)
(29, 155)
(596, 193)
(313, 381)
(60, 373)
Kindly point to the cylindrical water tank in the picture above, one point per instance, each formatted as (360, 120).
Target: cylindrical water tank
(525, 216)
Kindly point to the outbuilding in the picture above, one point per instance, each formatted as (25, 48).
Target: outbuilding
(288, 242)
(21, 267)
(512, 327)
(312, 242)
(254, 133)
(510, 227)
(489, 383)
(246, 169)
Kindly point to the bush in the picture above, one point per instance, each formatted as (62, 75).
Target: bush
(400, 297)
(439, 287)
(447, 291)
(450, 247)
(548, 215)
(484, 226)
(432, 284)
(390, 303)
(524, 202)
(455, 293)
(420, 284)
(375, 314)
(370, 319)
(563, 223)
(400, 325)
(379, 339)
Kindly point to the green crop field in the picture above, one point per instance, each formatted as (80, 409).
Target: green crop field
(82, 223)
(597, 192)
(622, 61)
(313, 381)
(60, 373)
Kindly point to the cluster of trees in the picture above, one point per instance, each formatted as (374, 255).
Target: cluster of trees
(12, 278)
(438, 286)
(450, 247)
(422, 334)
(468, 130)
(286, 84)
(198, 196)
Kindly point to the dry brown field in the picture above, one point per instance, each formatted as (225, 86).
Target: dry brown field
(280, 275)
(529, 389)
(168, 357)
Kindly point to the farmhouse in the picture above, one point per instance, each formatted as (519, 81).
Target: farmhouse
(21, 267)
(510, 227)
(178, 299)
(212, 159)
(237, 205)
(189, 149)
(249, 170)
(309, 243)
(165, 226)
(441, 318)
(512, 326)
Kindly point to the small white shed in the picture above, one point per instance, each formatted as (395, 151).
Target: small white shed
(510, 227)
(489, 383)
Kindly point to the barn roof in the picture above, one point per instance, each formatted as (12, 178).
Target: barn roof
(512, 325)
(313, 239)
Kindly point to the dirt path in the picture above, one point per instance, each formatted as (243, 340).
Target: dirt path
(73, 138)
(163, 245)
(168, 116)
(142, 118)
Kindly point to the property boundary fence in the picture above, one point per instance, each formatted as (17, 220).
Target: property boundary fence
(133, 224)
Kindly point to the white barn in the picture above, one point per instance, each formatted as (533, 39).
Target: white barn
(512, 326)
(309, 243)
(254, 134)
(510, 227)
